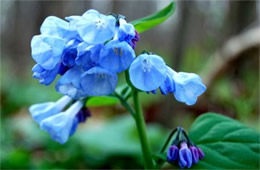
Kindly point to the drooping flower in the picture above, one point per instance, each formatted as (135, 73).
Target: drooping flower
(69, 83)
(147, 72)
(188, 86)
(98, 82)
(168, 86)
(88, 55)
(116, 56)
(45, 77)
(173, 153)
(60, 125)
(125, 32)
(185, 156)
(47, 50)
(95, 28)
(42, 111)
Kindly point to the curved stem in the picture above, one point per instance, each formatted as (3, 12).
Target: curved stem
(125, 104)
(140, 123)
(168, 140)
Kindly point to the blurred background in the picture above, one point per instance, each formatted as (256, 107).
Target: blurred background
(219, 40)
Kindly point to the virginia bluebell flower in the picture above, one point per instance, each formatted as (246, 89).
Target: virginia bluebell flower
(185, 156)
(147, 72)
(45, 77)
(69, 83)
(173, 153)
(42, 111)
(168, 86)
(47, 50)
(60, 126)
(95, 28)
(125, 31)
(70, 53)
(116, 56)
(98, 81)
(88, 55)
(188, 86)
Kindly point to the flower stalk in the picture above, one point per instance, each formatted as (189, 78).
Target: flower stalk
(140, 123)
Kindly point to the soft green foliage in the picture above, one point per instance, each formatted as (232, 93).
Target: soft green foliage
(227, 143)
(153, 20)
(101, 101)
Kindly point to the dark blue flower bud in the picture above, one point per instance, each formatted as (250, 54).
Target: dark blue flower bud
(201, 153)
(172, 154)
(195, 154)
(185, 156)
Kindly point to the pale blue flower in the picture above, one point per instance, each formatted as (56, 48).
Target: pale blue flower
(45, 77)
(69, 83)
(88, 55)
(125, 31)
(95, 28)
(168, 85)
(98, 82)
(47, 50)
(188, 86)
(42, 111)
(70, 53)
(116, 56)
(147, 72)
(60, 126)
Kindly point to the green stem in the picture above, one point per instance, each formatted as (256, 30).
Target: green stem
(125, 104)
(140, 123)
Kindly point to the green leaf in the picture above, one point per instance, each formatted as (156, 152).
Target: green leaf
(101, 101)
(227, 144)
(150, 21)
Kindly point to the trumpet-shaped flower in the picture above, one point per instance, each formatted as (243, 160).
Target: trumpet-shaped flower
(168, 85)
(188, 86)
(185, 156)
(147, 72)
(69, 83)
(116, 56)
(98, 81)
(88, 55)
(47, 50)
(95, 28)
(42, 111)
(60, 126)
(45, 77)
(70, 53)
(126, 32)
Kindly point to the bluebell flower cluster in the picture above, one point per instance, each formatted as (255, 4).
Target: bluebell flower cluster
(60, 124)
(87, 51)
(183, 152)
(149, 72)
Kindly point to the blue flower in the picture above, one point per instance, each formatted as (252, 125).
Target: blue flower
(188, 86)
(44, 110)
(57, 27)
(172, 154)
(116, 56)
(60, 126)
(69, 83)
(45, 77)
(70, 53)
(185, 156)
(168, 85)
(47, 50)
(88, 55)
(147, 72)
(98, 82)
(125, 31)
(95, 28)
